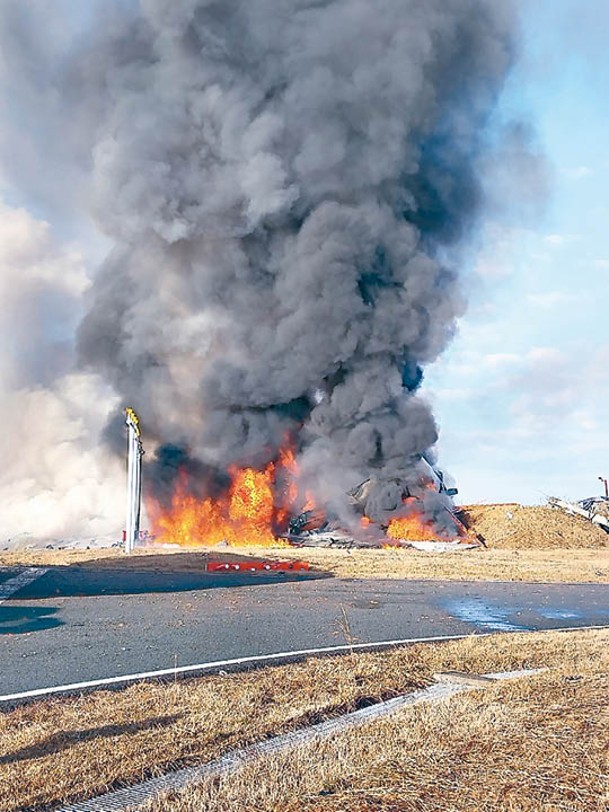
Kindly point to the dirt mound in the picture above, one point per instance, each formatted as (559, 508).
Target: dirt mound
(521, 527)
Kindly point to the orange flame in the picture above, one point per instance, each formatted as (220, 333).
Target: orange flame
(415, 526)
(412, 528)
(257, 506)
(244, 516)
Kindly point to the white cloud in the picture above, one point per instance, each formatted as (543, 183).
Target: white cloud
(498, 244)
(550, 299)
(558, 391)
(449, 394)
(532, 425)
(559, 240)
(500, 359)
(585, 420)
(30, 255)
(41, 288)
(576, 172)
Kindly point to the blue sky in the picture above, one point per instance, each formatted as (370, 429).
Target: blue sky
(522, 394)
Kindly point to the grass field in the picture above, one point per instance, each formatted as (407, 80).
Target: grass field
(539, 744)
(536, 746)
(546, 565)
(70, 748)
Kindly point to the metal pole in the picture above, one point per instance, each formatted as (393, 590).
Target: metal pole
(134, 479)
(604, 481)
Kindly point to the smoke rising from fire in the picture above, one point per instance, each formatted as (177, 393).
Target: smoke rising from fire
(285, 183)
(54, 478)
(280, 178)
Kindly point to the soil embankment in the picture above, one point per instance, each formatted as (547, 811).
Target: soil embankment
(522, 527)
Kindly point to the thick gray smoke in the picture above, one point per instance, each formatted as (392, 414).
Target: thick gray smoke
(285, 182)
(282, 179)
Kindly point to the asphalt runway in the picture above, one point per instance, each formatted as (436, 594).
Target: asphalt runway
(76, 624)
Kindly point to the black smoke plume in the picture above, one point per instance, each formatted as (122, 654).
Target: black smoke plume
(285, 182)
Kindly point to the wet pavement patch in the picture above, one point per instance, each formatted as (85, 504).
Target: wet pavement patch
(484, 614)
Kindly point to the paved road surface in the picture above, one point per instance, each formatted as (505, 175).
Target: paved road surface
(77, 624)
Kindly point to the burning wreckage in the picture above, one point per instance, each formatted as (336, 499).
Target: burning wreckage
(316, 528)
(260, 508)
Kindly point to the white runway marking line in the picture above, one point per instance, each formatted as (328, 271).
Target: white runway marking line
(13, 585)
(202, 668)
(132, 798)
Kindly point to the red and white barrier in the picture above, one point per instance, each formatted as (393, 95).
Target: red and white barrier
(258, 566)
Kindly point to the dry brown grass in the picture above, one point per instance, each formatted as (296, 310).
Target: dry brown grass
(524, 544)
(536, 745)
(61, 750)
(547, 565)
(567, 566)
